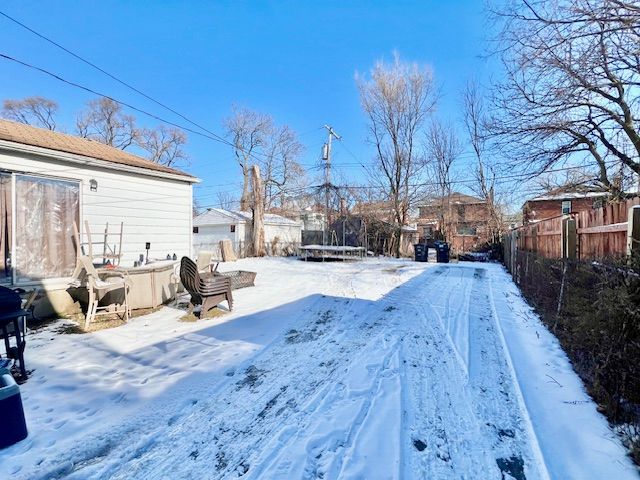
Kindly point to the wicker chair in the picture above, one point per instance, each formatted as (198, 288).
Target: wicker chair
(207, 292)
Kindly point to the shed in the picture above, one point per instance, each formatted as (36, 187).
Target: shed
(49, 180)
(281, 235)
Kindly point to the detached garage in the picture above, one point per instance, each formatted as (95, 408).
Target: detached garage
(281, 235)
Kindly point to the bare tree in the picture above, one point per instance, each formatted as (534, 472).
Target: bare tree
(163, 144)
(397, 99)
(195, 206)
(248, 131)
(485, 172)
(104, 121)
(37, 111)
(443, 147)
(276, 149)
(226, 200)
(572, 76)
(279, 167)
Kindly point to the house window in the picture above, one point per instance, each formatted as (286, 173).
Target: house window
(45, 210)
(233, 228)
(195, 229)
(462, 230)
(566, 207)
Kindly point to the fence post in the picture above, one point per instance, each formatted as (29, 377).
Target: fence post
(514, 252)
(534, 239)
(569, 238)
(633, 231)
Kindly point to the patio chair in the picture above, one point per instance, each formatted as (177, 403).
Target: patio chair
(207, 292)
(98, 285)
(205, 262)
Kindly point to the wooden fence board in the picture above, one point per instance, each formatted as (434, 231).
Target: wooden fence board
(601, 233)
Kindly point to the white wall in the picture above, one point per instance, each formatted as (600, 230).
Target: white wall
(153, 209)
(285, 233)
(209, 236)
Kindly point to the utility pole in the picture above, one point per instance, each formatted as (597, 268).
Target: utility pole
(326, 156)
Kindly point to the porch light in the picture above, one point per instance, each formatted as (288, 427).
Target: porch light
(93, 185)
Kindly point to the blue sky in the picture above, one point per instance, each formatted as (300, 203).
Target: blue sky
(293, 60)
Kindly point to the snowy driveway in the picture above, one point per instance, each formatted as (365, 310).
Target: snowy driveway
(380, 369)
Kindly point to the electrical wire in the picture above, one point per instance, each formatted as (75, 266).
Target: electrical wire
(210, 136)
(93, 65)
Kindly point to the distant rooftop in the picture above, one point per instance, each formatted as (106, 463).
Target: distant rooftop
(218, 216)
(454, 198)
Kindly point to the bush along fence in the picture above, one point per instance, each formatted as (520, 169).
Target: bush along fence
(581, 273)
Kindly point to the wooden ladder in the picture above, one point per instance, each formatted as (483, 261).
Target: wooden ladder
(109, 254)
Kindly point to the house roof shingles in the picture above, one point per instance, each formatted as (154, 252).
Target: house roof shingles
(62, 142)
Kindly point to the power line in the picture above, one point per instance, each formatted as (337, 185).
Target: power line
(140, 92)
(122, 82)
(213, 137)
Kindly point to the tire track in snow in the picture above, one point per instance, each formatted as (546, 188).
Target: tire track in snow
(280, 389)
(534, 442)
(443, 438)
(466, 420)
(491, 379)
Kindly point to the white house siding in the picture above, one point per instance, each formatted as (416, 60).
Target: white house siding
(285, 233)
(209, 237)
(153, 209)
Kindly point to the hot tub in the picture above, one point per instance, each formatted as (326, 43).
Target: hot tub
(152, 284)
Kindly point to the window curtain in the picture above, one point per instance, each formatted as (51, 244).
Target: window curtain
(5, 227)
(45, 212)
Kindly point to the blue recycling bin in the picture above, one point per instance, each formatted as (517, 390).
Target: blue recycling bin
(421, 252)
(442, 252)
(13, 426)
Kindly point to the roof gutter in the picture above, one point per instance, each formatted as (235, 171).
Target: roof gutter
(92, 162)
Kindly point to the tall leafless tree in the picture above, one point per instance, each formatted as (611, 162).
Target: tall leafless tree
(571, 84)
(227, 200)
(105, 121)
(276, 149)
(164, 145)
(36, 111)
(443, 148)
(279, 167)
(397, 98)
(485, 171)
(248, 131)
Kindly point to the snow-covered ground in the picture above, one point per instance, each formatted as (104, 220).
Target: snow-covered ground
(376, 369)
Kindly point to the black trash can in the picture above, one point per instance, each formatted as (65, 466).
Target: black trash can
(13, 426)
(442, 252)
(421, 252)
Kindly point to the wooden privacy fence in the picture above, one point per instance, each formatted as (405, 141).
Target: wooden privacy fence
(609, 231)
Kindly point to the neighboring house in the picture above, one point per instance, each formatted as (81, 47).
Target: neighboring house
(561, 201)
(49, 180)
(382, 210)
(281, 235)
(461, 218)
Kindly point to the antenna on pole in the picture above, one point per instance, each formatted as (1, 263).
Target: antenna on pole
(326, 156)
